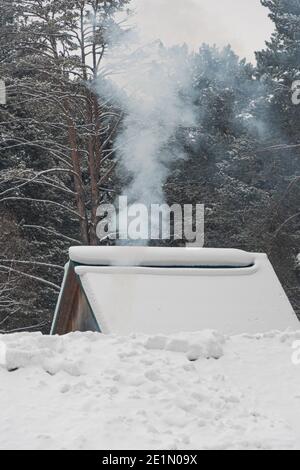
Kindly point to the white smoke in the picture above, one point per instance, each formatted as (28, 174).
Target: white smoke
(151, 84)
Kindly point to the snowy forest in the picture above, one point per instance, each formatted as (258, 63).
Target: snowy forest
(59, 160)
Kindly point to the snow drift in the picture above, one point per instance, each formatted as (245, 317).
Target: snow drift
(198, 390)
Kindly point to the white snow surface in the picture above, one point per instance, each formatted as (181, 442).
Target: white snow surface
(186, 391)
(160, 256)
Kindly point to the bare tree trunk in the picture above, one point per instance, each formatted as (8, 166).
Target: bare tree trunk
(78, 183)
(93, 169)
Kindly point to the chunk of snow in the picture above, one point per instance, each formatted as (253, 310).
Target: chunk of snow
(207, 344)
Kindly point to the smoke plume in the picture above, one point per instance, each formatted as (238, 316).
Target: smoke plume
(152, 84)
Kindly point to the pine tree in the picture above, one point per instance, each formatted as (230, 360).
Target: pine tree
(281, 58)
(278, 66)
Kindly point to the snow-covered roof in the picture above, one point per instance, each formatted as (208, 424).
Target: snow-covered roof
(152, 300)
(157, 256)
(169, 290)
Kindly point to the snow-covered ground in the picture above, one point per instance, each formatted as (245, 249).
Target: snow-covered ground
(190, 391)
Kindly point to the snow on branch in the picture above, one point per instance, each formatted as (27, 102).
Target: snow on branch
(30, 276)
(33, 263)
(53, 232)
(41, 201)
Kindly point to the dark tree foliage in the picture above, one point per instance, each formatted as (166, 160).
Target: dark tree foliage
(278, 68)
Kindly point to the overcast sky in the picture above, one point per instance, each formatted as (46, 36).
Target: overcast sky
(242, 23)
